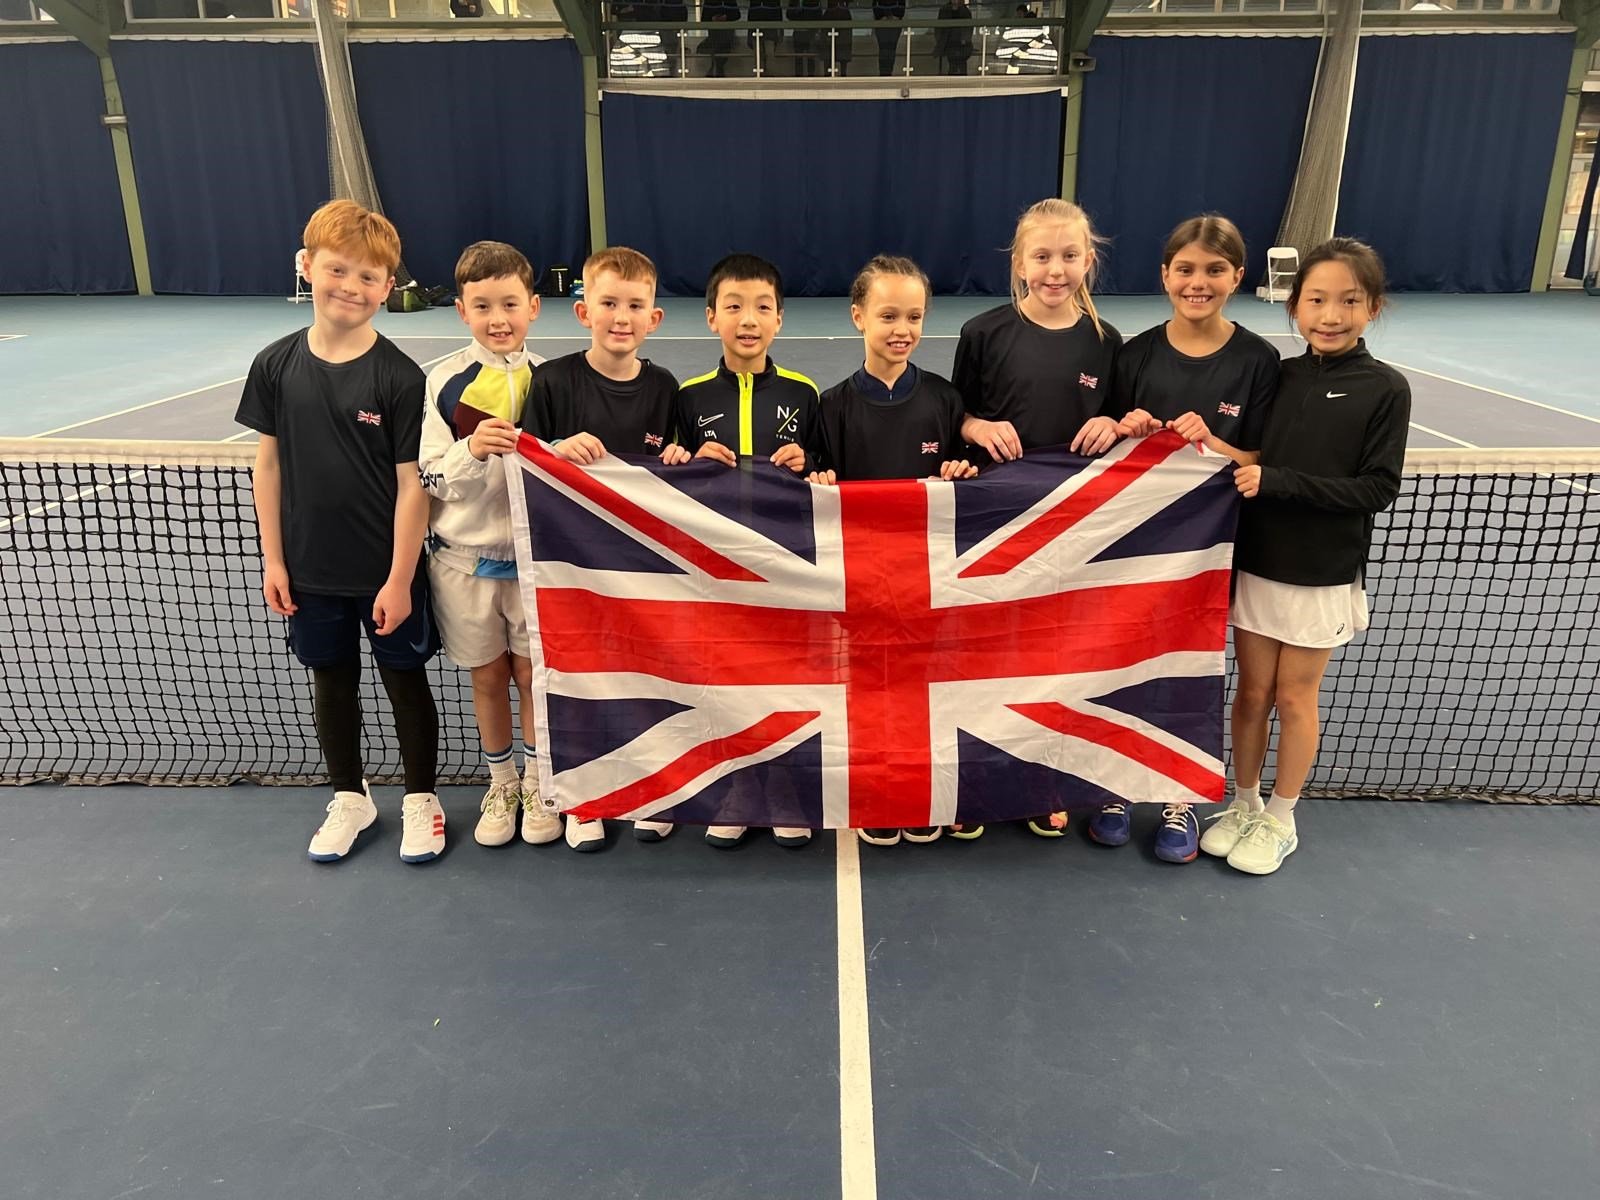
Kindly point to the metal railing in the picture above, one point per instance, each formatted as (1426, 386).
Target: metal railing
(833, 48)
(991, 16)
(359, 10)
(1204, 8)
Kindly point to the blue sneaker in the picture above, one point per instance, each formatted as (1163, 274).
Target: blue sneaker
(1178, 838)
(1111, 825)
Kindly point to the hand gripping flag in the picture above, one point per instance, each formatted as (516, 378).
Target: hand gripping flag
(738, 647)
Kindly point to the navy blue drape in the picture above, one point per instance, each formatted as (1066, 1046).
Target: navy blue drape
(1177, 126)
(1448, 157)
(819, 186)
(475, 140)
(61, 223)
(230, 150)
(1578, 260)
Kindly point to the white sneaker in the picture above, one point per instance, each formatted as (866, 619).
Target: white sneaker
(585, 835)
(422, 833)
(791, 838)
(724, 837)
(498, 823)
(651, 831)
(348, 814)
(1264, 844)
(541, 823)
(1222, 835)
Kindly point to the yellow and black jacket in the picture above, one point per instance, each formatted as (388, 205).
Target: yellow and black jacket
(750, 414)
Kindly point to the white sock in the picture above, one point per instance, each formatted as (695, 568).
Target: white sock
(1282, 807)
(501, 768)
(530, 773)
(1250, 797)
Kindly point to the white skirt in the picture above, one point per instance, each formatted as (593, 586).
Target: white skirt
(1314, 617)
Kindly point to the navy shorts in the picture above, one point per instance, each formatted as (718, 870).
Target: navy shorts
(325, 631)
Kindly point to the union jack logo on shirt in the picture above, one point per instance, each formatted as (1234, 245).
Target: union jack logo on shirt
(368, 418)
(1088, 381)
(930, 447)
(653, 440)
(730, 647)
(1228, 410)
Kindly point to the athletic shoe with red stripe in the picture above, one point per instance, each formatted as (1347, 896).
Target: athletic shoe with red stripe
(422, 839)
(348, 814)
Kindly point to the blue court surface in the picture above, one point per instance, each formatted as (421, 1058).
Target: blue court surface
(1486, 371)
(1410, 1008)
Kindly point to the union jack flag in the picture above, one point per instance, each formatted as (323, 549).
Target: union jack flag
(736, 647)
(1088, 381)
(368, 418)
(930, 447)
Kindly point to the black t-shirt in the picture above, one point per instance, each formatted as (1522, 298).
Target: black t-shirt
(342, 428)
(1046, 382)
(1230, 389)
(866, 435)
(568, 397)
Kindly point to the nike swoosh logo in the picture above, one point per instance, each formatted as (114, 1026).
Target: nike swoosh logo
(1337, 395)
(704, 421)
(426, 645)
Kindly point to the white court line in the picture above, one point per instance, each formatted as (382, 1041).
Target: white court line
(1566, 483)
(122, 412)
(858, 1154)
(1445, 436)
(72, 499)
(11, 337)
(1477, 387)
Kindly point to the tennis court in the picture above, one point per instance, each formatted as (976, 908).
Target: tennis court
(1411, 1009)
(1033, 1019)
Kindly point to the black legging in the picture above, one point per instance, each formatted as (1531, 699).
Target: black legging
(888, 40)
(336, 702)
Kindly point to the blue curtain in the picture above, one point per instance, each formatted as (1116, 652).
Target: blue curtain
(819, 186)
(472, 140)
(1578, 260)
(1177, 126)
(230, 149)
(61, 224)
(1448, 159)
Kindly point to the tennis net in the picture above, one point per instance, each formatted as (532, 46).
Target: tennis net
(138, 648)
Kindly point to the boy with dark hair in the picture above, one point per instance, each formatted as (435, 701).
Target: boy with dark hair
(607, 399)
(342, 515)
(749, 405)
(474, 400)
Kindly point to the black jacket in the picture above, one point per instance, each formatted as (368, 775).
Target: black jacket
(1331, 457)
(953, 43)
(752, 415)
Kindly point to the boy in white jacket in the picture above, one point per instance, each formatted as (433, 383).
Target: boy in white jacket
(474, 400)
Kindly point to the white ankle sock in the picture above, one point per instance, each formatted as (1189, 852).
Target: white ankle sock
(1251, 796)
(501, 768)
(1282, 807)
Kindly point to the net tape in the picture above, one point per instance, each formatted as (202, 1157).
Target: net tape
(138, 647)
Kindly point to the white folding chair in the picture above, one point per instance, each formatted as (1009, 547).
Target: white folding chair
(302, 289)
(1283, 263)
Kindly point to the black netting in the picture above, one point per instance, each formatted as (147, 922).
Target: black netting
(138, 646)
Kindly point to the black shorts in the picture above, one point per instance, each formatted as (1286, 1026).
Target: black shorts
(325, 631)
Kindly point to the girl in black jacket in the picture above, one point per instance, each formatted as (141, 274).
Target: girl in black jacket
(1330, 460)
